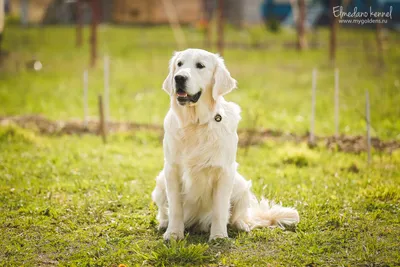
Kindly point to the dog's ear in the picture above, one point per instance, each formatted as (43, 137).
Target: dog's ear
(223, 82)
(168, 82)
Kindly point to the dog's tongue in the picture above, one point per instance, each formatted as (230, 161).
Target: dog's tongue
(181, 93)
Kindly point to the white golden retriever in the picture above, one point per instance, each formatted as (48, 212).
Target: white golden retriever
(199, 185)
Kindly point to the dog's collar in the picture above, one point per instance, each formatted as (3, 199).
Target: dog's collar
(218, 118)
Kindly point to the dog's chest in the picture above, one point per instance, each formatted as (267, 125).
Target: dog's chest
(197, 146)
(200, 145)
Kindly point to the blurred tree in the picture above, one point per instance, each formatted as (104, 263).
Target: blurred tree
(173, 20)
(93, 38)
(334, 26)
(301, 21)
(221, 21)
(2, 19)
(79, 22)
(208, 10)
(271, 20)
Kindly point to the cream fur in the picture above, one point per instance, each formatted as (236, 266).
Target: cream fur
(199, 185)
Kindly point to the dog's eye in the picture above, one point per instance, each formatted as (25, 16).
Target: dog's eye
(199, 65)
(180, 63)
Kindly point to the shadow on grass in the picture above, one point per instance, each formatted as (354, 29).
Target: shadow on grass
(194, 249)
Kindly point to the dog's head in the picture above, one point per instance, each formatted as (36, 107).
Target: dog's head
(194, 71)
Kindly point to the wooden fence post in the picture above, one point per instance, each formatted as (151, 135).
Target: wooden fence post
(102, 122)
(368, 122)
(106, 88)
(85, 98)
(311, 140)
(337, 103)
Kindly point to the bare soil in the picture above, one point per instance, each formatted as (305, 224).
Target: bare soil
(247, 137)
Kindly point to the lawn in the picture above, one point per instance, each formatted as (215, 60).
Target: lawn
(274, 82)
(71, 200)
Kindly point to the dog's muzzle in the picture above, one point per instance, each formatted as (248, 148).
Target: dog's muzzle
(182, 96)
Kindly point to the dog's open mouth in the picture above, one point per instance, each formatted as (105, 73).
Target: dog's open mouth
(184, 97)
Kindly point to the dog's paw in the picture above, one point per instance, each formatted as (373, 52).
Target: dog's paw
(217, 236)
(173, 234)
(242, 226)
(163, 225)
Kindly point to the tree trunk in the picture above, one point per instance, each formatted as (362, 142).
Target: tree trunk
(79, 22)
(333, 39)
(301, 21)
(2, 20)
(221, 27)
(93, 38)
(207, 14)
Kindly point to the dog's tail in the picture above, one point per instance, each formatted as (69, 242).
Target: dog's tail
(270, 214)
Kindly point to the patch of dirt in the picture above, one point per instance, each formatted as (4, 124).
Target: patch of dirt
(357, 144)
(247, 137)
(46, 126)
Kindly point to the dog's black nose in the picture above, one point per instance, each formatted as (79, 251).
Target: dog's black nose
(179, 79)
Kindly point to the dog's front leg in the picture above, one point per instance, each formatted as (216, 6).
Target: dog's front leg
(175, 208)
(221, 204)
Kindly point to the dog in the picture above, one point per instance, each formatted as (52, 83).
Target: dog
(199, 185)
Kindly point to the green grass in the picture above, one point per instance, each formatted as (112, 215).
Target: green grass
(274, 82)
(71, 200)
